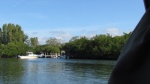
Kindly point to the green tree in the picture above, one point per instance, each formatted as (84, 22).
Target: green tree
(34, 41)
(4, 34)
(12, 33)
(54, 41)
(1, 33)
(12, 40)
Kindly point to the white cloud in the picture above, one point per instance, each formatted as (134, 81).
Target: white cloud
(42, 40)
(66, 34)
(45, 35)
(63, 35)
(113, 31)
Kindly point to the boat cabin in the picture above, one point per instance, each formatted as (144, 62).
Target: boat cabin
(29, 53)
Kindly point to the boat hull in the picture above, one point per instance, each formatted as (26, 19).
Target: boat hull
(28, 57)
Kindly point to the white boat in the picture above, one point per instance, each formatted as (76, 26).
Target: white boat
(29, 55)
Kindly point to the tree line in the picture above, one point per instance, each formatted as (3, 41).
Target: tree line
(13, 42)
(102, 46)
(52, 45)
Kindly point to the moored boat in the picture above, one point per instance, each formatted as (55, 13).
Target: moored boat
(29, 55)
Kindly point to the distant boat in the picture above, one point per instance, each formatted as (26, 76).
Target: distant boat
(29, 55)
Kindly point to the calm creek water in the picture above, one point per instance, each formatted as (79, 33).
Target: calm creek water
(54, 71)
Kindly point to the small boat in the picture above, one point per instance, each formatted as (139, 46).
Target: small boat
(29, 55)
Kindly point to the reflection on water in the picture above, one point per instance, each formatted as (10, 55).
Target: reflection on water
(54, 71)
(10, 71)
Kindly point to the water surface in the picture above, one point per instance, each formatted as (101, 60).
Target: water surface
(54, 71)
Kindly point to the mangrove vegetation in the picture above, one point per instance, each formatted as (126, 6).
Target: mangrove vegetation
(98, 47)
(13, 42)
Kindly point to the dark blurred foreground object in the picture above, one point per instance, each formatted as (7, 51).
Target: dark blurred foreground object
(133, 64)
(147, 4)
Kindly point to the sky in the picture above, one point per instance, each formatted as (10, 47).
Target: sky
(64, 19)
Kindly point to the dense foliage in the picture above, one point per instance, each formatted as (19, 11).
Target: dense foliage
(98, 47)
(12, 40)
(52, 45)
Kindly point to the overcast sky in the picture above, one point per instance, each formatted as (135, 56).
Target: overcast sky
(64, 19)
